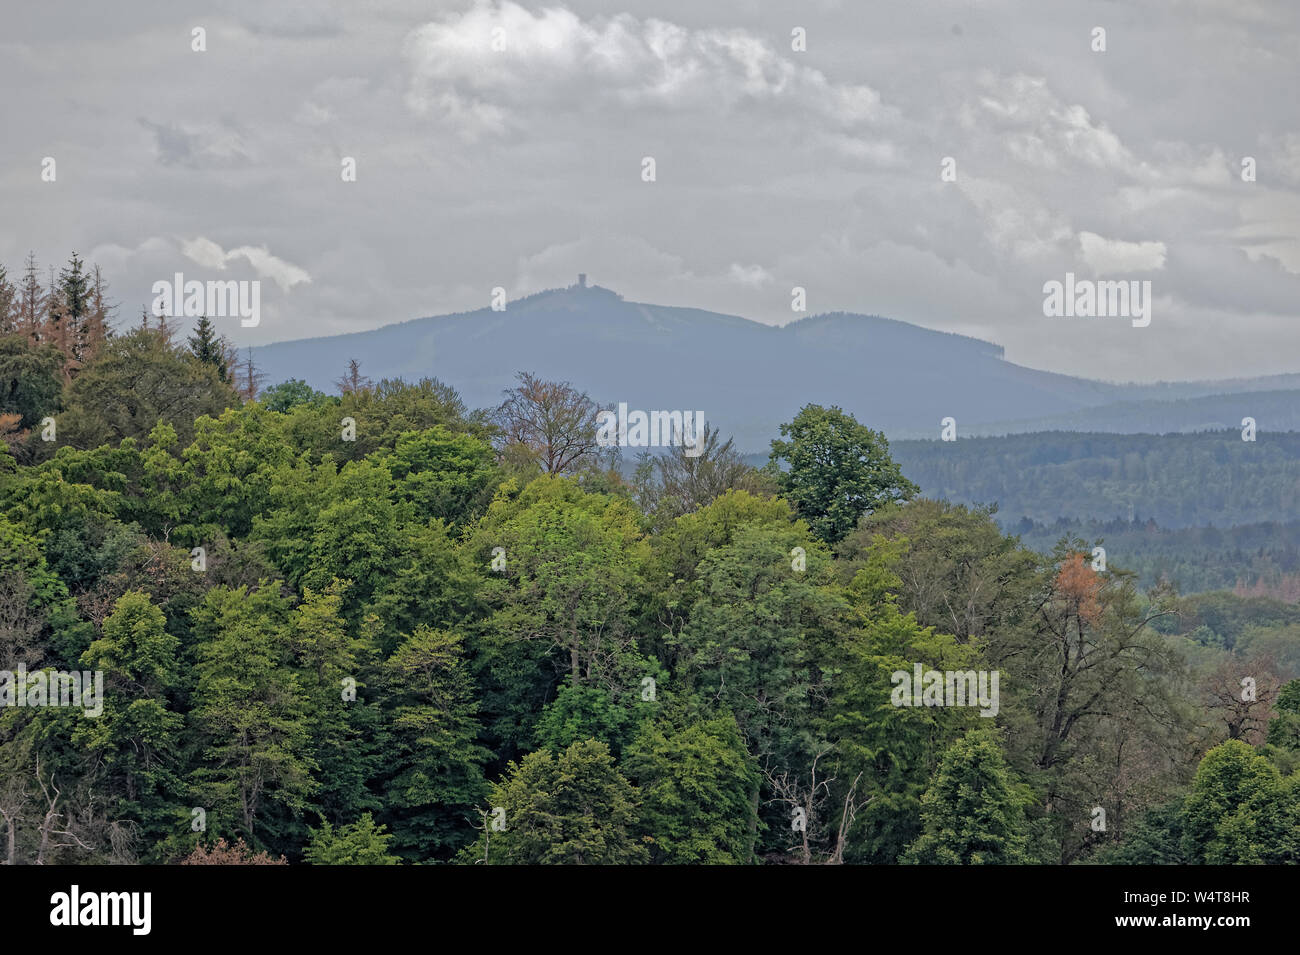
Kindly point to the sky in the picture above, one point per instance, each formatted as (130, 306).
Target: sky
(499, 144)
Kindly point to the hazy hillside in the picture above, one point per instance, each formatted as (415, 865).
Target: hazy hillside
(1273, 410)
(744, 376)
(1206, 511)
(1254, 559)
(1180, 480)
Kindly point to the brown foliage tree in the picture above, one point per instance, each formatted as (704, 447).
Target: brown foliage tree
(222, 853)
(551, 421)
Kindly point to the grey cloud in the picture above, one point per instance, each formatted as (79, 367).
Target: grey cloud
(818, 168)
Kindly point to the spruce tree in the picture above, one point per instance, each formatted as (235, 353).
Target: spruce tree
(210, 348)
(94, 328)
(75, 289)
(31, 300)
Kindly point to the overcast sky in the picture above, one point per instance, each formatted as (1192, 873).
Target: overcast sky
(775, 167)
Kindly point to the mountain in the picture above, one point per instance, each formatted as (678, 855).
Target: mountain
(747, 377)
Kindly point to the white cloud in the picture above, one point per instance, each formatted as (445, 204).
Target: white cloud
(1115, 256)
(210, 255)
(754, 276)
(1015, 223)
(823, 165)
(553, 58)
(205, 252)
(1040, 129)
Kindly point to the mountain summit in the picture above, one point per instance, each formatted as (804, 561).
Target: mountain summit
(745, 376)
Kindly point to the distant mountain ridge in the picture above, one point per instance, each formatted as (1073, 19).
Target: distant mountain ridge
(747, 377)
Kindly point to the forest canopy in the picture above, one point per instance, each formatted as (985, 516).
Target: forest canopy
(380, 627)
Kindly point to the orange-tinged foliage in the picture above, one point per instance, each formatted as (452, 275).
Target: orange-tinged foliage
(1078, 583)
(225, 854)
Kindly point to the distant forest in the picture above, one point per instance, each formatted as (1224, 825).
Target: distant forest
(1204, 511)
(1259, 560)
(1177, 480)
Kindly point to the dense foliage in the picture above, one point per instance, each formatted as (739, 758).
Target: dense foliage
(378, 628)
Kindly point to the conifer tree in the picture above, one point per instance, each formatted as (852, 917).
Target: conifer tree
(31, 300)
(362, 843)
(94, 329)
(210, 348)
(8, 304)
(353, 382)
(249, 379)
(76, 290)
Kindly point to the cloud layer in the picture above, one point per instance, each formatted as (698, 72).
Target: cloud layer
(499, 143)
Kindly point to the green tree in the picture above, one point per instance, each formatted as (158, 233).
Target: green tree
(699, 788)
(362, 843)
(759, 638)
(37, 614)
(30, 382)
(1155, 839)
(343, 728)
(139, 380)
(228, 470)
(956, 570)
(9, 315)
(444, 475)
(672, 571)
(137, 739)
(69, 302)
(382, 413)
(75, 289)
(562, 603)
(971, 812)
(136, 647)
(434, 763)
(209, 348)
(882, 757)
(349, 524)
(287, 395)
(1240, 811)
(574, 810)
(586, 712)
(837, 470)
(1284, 729)
(248, 711)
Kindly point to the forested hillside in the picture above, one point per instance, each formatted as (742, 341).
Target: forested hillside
(1249, 559)
(1178, 480)
(1203, 511)
(380, 627)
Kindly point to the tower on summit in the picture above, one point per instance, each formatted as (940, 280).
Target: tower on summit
(582, 280)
